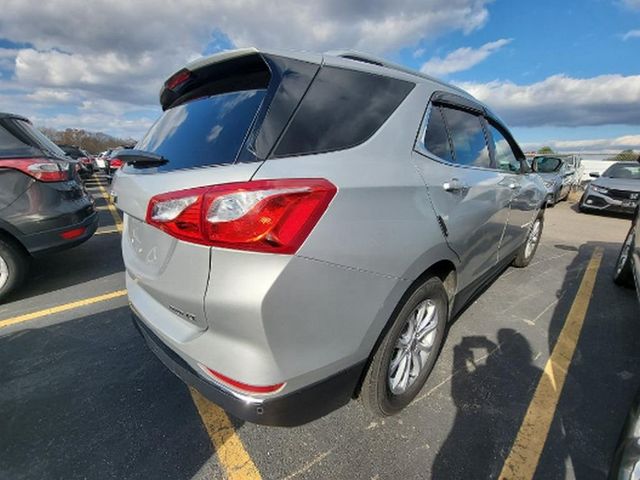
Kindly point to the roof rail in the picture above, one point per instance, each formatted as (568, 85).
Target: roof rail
(381, 62)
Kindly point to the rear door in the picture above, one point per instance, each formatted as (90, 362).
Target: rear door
(467, 194)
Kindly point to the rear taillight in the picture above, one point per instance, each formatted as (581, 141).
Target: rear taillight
(38, 168)
(115, 163)
(85, 160)
(265, 215)
(243, 387)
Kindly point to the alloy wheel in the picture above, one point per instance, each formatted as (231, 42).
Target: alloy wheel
(413, 347)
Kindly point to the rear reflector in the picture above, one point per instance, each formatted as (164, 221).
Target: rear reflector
(273, 216)
(71, 234)
(38, 168)
(244, 387)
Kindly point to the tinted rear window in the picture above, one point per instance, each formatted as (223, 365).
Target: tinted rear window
(342, 109)
(21, 139)
(205, 131)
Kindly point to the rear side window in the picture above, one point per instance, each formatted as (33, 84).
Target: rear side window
(468, 138)
(205, 131)
(436, 139)
(342, 109)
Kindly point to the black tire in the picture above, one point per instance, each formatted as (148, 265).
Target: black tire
(623, 274)
(17, 264)
(524, 256)
(376, 393)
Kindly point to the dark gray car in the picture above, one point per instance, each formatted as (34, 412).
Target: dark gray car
(616, 190)
(43, 205)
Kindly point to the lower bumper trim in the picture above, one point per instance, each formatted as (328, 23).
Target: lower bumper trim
(289, 410)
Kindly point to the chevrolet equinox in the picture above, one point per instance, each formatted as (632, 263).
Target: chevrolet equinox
(299, 228)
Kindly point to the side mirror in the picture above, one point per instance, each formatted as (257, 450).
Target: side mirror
(594, 174)
(534, 165)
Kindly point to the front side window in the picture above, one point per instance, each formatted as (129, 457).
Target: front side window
(468, 138)
(505, 158)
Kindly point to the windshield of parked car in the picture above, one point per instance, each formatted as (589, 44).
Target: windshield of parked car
(548, 164)
(623, 170)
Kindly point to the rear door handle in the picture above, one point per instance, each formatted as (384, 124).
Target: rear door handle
(455, 185)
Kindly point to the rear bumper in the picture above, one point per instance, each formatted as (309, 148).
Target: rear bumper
(291, 409)
(50, 241)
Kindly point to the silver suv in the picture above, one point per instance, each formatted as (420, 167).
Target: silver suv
(300, 228)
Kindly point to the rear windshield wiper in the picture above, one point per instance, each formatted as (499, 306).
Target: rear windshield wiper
(141, 159)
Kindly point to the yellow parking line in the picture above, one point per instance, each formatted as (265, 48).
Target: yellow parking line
(61, 308)
(527, 447)
(111, 207)
(232, 456)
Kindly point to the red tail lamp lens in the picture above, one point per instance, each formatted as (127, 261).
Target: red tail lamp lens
(273, 216)
(38, 168)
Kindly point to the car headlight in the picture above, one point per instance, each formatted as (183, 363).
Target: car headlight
(600, 189)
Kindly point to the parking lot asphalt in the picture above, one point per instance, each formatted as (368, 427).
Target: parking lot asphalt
(535, 380)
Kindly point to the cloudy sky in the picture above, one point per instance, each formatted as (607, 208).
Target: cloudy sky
(561, 73)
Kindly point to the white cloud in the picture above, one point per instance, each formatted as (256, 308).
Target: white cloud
(462, 58)
(631, 34)
(561, 100)
(633, 4)
(122, 50)
(592, 145)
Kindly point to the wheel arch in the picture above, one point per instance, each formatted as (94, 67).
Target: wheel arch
(446, 271)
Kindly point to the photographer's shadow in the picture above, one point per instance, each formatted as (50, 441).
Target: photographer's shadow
(491, 390)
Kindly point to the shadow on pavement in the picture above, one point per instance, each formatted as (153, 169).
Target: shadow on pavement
(492, 397)
(96, 258)
(87, 399)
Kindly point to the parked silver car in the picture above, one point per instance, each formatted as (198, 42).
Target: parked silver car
(617, 190)
(557, 176)
(299, 228)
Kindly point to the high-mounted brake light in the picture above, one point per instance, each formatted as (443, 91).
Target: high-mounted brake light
(38, 168)
(244, 387)
(177, 79)
(273, 216)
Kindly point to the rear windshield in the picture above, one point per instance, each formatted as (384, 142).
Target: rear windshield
(19, 139)
(205, 131)
(342, 109)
